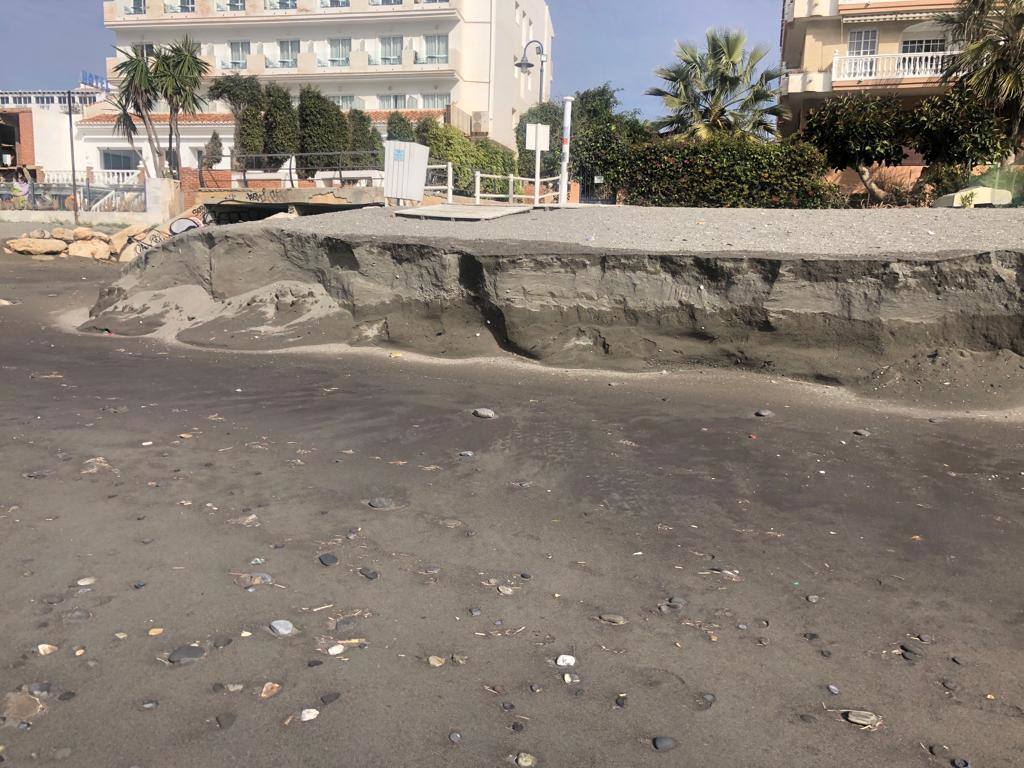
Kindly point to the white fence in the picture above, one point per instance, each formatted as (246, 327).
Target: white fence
(448, 188)
(511, 196)
(96, 178)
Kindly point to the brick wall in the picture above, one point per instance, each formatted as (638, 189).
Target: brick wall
(25, 141)
(220, 179)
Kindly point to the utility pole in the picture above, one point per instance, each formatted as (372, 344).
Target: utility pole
(71, 136)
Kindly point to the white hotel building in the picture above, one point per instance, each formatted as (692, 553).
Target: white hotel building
(450, 58)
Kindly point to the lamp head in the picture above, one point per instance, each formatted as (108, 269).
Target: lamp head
(524, 64)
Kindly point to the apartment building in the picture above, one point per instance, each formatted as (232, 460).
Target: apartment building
(452, 56)
(832, 47)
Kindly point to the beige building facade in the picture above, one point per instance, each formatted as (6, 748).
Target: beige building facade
(832, 47)
(374, 55)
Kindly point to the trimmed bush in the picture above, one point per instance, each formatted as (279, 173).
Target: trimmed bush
(365, 139)
(423, 128)
(322, 128)
(448, 144)
(399, 128)
(726, 171)
(250, 137)
(281, 125)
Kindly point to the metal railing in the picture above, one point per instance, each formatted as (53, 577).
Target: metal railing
(322, 168)
(437, 172)
(514, 183)
(890, 66)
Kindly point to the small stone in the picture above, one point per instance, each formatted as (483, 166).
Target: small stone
(764, 413)
(861, 433)
(950, 685)
(525, 576)
(826, 653)
(679, 601)
(436, 661)
(808, 718)
(336, 650)
(459, 659)
(565, 660)
(813, 598)
(152, 632)
(534, 688)
(45, 649)
(455, 737)
(484, 413)
(66, 696)
(309, 714)
(314, 663)
(939, 750)
(707, 700)
(833, 689)
(226, 719)
(621, 701)
(570, 678)
(612, 618)
(926, 639)
(475, 611)
(282, 627)
(328, 559)
(138, 584)
(431, 570)
(466, 454)
(39, 689)
(525, 760)
(380, 502)
(663, 743)
(329, 698)
(270, 690)
(505, 590)
(234, 687)
(186, 654)
(86, 581)
(518, 726)
(150, 704)
(222, 641)
(960, 762)
(369, 574)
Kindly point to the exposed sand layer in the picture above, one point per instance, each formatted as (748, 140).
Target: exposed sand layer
(875, 324)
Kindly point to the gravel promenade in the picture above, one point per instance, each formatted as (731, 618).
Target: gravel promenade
(878, 233)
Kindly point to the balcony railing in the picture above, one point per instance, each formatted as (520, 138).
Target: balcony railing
(233, 64)
(334, 3)
(890, 66)
(183, 6)
(280, 5)
(135, 9)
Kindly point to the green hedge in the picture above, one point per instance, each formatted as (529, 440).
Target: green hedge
(449, 144)
(725, 172)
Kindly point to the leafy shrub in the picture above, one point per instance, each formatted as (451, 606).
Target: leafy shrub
(726, 171)
(281, 125)
(423, 128)
(250, 137)
(365, 140)
(448, 144)
(323, 128)
(399, 128)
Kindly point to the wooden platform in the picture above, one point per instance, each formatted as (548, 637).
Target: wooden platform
(462, 212)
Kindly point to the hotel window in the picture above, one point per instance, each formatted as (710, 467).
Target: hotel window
(5, 99)
(437, 49)
(45, 100)
(391, 101)
(146, 49)
(863, 42)
(288, 53)
(235, 5)
(119, 159)
(436, 100)
(391, 50)
(240, 50)
(345, 102)
(341, 49)
(135, 8)
(23, 100)
(929, 45)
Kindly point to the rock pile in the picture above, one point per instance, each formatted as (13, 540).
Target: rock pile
(81, 241)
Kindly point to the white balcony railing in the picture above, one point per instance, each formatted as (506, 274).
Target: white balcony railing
(890, 66)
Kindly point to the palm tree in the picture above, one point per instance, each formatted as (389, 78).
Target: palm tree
(718, 89)
(124, 122)
(178, 72)
(138, 94)
(991, 59)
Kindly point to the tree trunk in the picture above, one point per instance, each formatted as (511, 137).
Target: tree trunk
(875, 192)
(154, 145)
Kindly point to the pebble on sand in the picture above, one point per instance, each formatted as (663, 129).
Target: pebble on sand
(270, 690)
(565, 660)
(764, 413)
(309, 714)
(484, 413)
(186, 654)
(45, 649)
(612, 618)
(282, 627)
(328, 559)
(525, 760)
(663, 743)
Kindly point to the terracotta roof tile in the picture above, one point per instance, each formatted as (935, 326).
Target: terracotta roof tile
(162, 118)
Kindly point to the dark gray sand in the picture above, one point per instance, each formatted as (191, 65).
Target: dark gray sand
(755, 561)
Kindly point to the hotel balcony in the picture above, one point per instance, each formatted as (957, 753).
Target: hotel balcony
(889, 69)
(127, 13)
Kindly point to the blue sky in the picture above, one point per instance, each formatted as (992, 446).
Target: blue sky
(620, 41)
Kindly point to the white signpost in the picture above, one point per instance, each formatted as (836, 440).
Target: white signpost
(538, 138)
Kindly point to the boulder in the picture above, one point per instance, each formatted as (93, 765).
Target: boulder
(90, 249)
(37, 246)
(83, 233)
(97, 235)
(38, 234)
(60, 233)
(120, 239)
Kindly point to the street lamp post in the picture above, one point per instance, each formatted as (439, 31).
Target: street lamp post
(524, 65)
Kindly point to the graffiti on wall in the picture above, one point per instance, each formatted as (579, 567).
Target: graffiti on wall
(196, 218)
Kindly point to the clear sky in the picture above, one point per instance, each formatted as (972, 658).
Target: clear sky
(48, 42)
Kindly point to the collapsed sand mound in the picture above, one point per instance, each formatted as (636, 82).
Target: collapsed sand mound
(837, 321)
